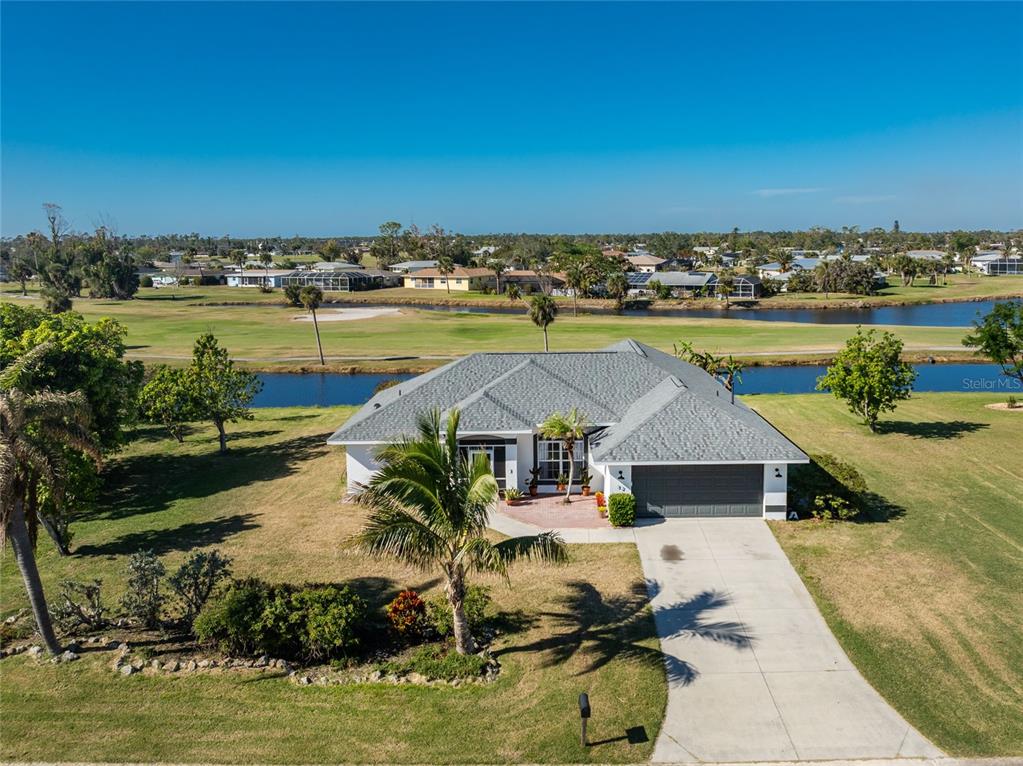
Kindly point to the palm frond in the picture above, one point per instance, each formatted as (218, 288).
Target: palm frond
(398, 534)
(19, 374)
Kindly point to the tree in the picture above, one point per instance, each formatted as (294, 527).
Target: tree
(266, 258)
(906, 266)
(513, 292)
(568, 429)
(543, 310)
(219, 392)
(446, 267)
(110, 272)
(948, 265)
(725, 285)
(869, 375)
(498, 266)
(784, 259)
(999, 335)
(618, 288)
(428, 507)
(166, 400)
(331, 250)
(59, 275)
(311, 297)
(19, 268)
(37, 429)
(386, 248)
(732, 370)
(575, 278)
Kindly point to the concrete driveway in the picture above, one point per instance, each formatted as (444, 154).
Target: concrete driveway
(754, 672)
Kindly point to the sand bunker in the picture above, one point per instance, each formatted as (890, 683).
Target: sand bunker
(346, 315)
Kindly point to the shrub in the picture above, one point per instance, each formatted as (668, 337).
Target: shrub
(832, 507)
(146, 281)
(621, 509)
(313, 622)
(79, 605)
(512, 494)
(825, 475)
(206, 280)
(291, 294)
(183, 281)
(438, 662)
(142, 601)
(1012, 403)
(385, 384)
(407, 615)
(476, 605)
(195, 580)
(230, 621)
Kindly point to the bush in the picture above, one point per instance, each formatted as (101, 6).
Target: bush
(825, 475)
(312, 622)
(407, 615)
(183, 281)
(621, 509)
(832, 507)
(195, 580)
(476, 605)
(438, 662)
(291, 294)
(143, 600)
(79, 605)
(146, 281)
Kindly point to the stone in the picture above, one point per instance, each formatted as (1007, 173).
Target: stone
(304, 680)
(35, 650)
(155, 664)
(262, 662)
(127, 670)
(417, 678)
(191, 665)
(203, 663)
(123, 647)
(376, 675)
(172, 667)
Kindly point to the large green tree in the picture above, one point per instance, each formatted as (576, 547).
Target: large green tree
(428, 507)
(869, 375)
(999, 335)
(220, 392)
(165, 399)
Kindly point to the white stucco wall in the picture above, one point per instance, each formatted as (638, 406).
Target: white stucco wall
(523, 461)
(360, 463)
(776, 482)
(612, 483)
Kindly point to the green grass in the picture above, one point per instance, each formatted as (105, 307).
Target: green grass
(928, 605)
(273, 505)
(960, 287)
(160, 328)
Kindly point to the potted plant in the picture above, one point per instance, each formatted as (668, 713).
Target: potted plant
(513, 496)
(584, 483)
(534, 482)
(599, 497)
(562, 482)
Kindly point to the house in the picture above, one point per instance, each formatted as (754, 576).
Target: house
(992, 262)
(409, 267)
(645, 262)
(485, 252)
(744, 286)
(341, 280)
(926, 255)
(662, 429)
(258, 277)
(337, 266)
(461, 278)
(529, 281)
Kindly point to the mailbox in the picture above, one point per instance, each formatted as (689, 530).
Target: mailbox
(584, 705)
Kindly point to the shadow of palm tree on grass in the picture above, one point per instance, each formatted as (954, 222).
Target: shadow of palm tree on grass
(601, 629)
(184, 537)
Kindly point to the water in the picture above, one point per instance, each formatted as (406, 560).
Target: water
(329, 389)
(923, 315)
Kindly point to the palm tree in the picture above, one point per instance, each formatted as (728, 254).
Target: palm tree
(568, 429)
(266, 259)
(543, 310)
(311, 297)
(732, 370)
(575, 277)
(513, 292)
(446, 267)
(35, 427)
(428, 507)
(784, 260)
(618, 288)
(498, 267)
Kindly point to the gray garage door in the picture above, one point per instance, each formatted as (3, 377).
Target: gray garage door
(698, 490)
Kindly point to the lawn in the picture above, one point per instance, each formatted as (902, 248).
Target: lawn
(162, 328)
(960, 287)
(273, 505)
(930, 604)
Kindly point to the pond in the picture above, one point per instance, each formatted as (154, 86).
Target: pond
(921, 315)
(329, 389)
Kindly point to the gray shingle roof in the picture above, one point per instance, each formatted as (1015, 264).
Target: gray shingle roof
(651, 406)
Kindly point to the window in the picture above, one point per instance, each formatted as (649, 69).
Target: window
(552, 460)
(473, 450)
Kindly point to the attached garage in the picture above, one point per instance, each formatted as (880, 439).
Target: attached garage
(698, 490)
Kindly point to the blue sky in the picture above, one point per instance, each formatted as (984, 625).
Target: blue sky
(321, 119)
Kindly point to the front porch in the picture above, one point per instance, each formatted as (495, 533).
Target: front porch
(549, 511)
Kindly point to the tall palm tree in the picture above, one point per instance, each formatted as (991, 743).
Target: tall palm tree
(568, 429)
(543, 310)
(428, 507)
(311, 297)
(35, 426)
(784, 259)
(732, 371)
(446, 267)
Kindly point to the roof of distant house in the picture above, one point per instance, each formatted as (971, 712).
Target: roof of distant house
(644, 259)
(460, 272)
(412, 265)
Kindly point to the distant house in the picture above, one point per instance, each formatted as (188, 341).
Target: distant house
(744, 287)
(926, 255)
(662, 429)
(485, 251)
(528, 281)
(994, 262)
(258, 277)
(343, 280)
(462, 279)
(645, 262)
(408, 267)
(337, 266)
